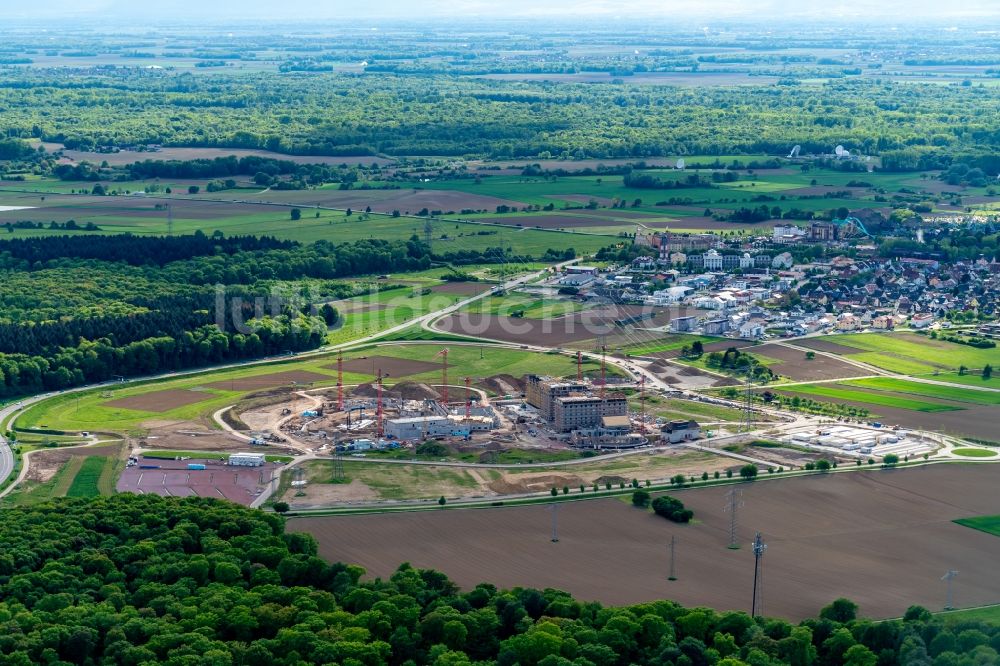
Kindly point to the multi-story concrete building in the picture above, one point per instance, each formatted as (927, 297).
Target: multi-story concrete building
(570, 405)
(683, 324)
(573, 412)
(823, 231)
(540, 393)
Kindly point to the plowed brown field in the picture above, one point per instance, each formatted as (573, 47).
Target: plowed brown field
(881, 538)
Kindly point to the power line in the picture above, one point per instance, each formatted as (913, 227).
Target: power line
(673, 570)
(338, 468)
(555, 522)
(732, 508)
(746, 420)
(756, 606)
(948, 578)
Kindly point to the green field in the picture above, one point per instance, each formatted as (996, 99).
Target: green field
(969, 380)
(667, 343)
(79, 476)
(366, 315)
(85, 482)
(988, 524)
(928, 390)
(330, 225)
(974, 453)
(988, 614)
(674, 409)
(89, 410)
(873, 398)
(524, 304)
(569, 192)
(911, 354)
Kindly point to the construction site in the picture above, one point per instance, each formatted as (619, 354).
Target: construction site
(388, 413)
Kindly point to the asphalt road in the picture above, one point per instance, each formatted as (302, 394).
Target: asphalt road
(6, 459)
(7, 456)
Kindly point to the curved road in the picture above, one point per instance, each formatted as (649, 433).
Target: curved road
(7, 456)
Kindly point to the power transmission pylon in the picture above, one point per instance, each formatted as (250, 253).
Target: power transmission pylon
(378, 409)
(642, 404)
(758, 575)
(746, 421)
(468, 400)
(604, 376)
(948, 577)
(579, 366)
(732, 508)
(444, 376)
(340, 381)
(170, 220)
(338, 467)
(555, 522)
(673, 570)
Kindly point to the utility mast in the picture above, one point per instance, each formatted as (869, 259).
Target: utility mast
(468, 399)
(340, 381)
(555, 522)
(732, 508)
(642, 404)
(378, 409)
(673, 571)
(758, 575)
(746, 422)
(444, 375)
(604, 376)
(948, 578)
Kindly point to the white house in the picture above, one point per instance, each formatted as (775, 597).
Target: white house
(787, 233)
(670, 295)
(713, 261)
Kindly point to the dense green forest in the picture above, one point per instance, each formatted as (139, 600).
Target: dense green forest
(141, 579)
(86, 309)
(912, 126)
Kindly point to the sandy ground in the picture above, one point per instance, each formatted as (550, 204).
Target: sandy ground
(881, 538)
(45, 463)
(267, 416)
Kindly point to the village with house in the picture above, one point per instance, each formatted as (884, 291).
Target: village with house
(772, 285)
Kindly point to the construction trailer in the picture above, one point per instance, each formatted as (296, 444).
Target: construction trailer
(247, 459)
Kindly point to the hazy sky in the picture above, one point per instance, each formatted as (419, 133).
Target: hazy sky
(421, 9)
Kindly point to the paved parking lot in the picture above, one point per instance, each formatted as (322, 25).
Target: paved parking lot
(219, 480)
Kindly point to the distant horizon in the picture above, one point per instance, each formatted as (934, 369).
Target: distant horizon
(292, 11)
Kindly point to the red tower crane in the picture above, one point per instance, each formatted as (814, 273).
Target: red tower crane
(378, 411)
(444, 375)
(604, 377)
(340, 381)
(468, 399)
(642, 404)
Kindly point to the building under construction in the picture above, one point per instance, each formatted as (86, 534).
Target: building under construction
(569, 406)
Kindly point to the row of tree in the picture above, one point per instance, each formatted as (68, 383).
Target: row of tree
(102, 359)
